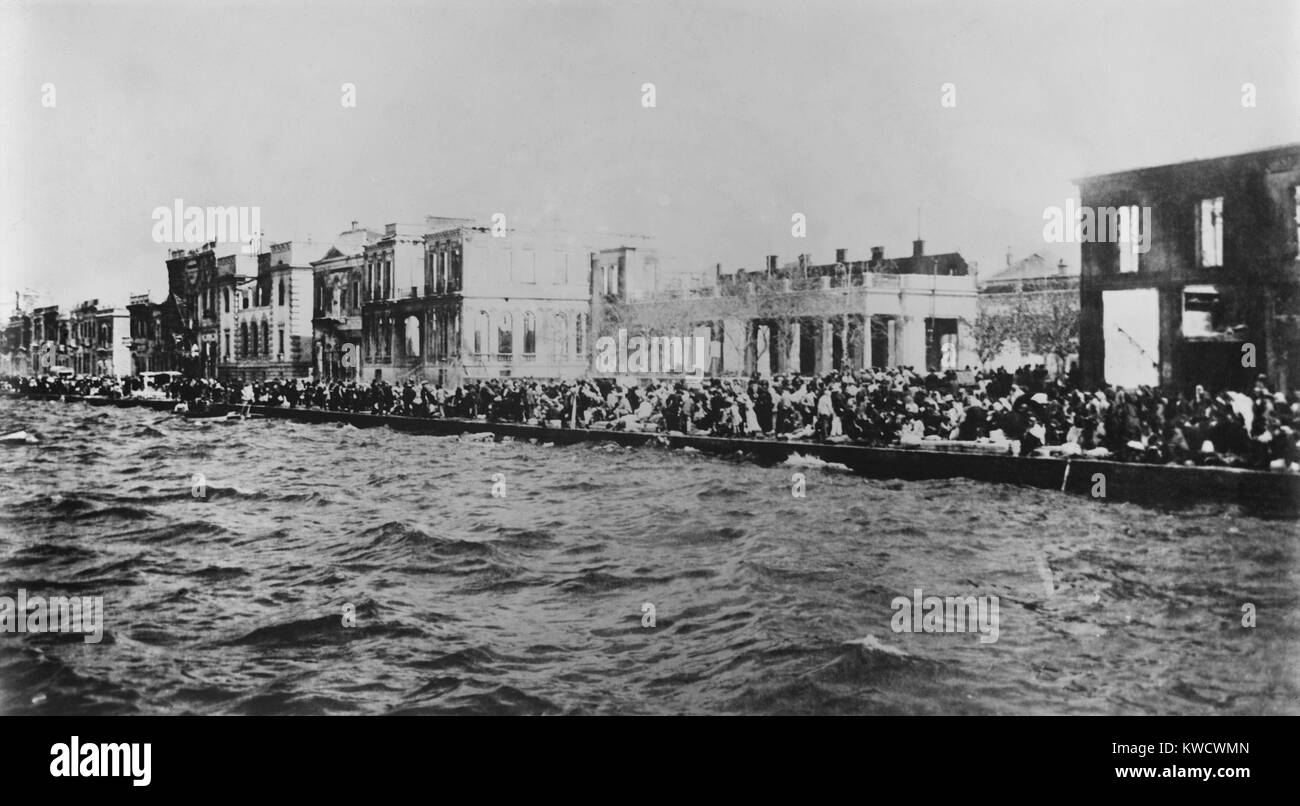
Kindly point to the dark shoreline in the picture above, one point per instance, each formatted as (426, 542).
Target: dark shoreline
(1259, 493)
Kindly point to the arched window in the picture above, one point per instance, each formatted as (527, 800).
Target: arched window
(225, 299)
(580, 333)
(412, 345)
(266, 339)
(481, 333)
(243, 339)
(561, 335)
(530, 334)
(282, 293)
(505, 334)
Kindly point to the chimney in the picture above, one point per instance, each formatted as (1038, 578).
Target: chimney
(354, 225)
(1060, 267)
(877, 254)
(771, 263)
(841, 255)
(1008, 257)
(918, 248)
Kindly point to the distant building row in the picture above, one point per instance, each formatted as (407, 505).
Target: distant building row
(449, 299)
(91, 339)
(437, 301)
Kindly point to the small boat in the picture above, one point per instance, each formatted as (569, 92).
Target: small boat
(19, 438)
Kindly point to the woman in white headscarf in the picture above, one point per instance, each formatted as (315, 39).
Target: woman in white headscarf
(750, 422)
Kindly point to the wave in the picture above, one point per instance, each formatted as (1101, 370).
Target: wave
(326, 629)
(497, 701)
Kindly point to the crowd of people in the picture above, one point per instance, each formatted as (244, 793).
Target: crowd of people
(1028, 411)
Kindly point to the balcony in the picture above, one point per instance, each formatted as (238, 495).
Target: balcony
(502, 358)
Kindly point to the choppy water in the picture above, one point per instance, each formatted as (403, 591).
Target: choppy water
(532, 603)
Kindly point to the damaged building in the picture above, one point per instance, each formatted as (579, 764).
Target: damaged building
(1212, 296)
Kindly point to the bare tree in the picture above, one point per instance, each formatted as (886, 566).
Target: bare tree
(1038, 318)
(1050, 323)
(991, 331)
(656, 316)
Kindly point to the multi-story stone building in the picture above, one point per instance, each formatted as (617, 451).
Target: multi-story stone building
(513, 303)
(152, 347)
(51, 341)
(100, 339)
(339, 278)
(234, 272)
(1215, 299)
(16, 351)
(190, 310)
(484, 303)
(271, 322)
(393, 300)
(81, 342)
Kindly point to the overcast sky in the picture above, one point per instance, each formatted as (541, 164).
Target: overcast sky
(763, 109)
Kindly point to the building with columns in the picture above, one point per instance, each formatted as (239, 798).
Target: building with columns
(811, 318)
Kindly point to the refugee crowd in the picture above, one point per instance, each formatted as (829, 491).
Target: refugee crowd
(1027, 410)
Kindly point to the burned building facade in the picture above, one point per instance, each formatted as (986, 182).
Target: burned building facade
(1210, 295)
(809, 318)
